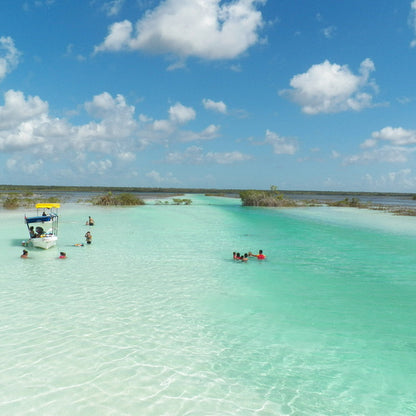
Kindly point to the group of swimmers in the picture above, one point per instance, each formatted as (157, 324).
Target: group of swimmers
(244, 257)
(25, 255)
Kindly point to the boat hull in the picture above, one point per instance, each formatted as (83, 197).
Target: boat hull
(44, 242)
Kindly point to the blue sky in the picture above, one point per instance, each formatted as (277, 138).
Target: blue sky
(306, 95)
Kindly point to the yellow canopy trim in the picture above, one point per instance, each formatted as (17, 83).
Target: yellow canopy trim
(48, 205)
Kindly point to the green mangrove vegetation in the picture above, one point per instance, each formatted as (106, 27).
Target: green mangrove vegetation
(15, 200)
(271, 198)
(175, 201)
(347, 202)
(124, 199)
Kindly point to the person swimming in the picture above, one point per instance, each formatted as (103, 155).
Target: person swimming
(25, 254)
(62, 255)
(259, 256)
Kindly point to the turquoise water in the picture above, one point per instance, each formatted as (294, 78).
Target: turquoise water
(155, 318)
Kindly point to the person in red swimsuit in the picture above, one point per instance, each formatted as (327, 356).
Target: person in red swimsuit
(259, 256)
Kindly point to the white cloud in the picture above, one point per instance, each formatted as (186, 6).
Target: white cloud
(9, 56)
(181, 114)
(281, 145)
(195, 155)
(117, 121)
(389, 154)
(209, 133)
(113, 7)
(118, 38)
(398, 179)
(412, 21)
(401, 144)
(396, 135)
(100, 167)
(111, 139)
(18, 109)
(126, 156)
(368, 143)
(170, 129)
(209, 29)
(156, 177)
(331, 88)
(223, 158)
(217, 106)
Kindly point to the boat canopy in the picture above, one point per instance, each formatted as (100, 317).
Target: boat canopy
(48, 205)
(43, 218)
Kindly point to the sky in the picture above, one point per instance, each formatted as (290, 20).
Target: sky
(241, 94)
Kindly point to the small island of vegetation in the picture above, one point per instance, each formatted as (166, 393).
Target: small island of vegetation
(271, 198)
(124, 199)
(25, 200)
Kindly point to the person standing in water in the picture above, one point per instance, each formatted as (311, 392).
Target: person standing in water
(25, 254)
(88, 237)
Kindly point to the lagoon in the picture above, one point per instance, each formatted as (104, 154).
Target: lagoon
(155, 318)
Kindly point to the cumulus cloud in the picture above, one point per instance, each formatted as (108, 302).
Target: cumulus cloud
(209, 133)
(331, 88)
(389, 154)
(208, 29)
(390, 144)
(281, 145)
(9, 56)
(117, 117)
(157, 131)
(217, 106)
(110, 140)
(18, 109)
(195, 155)
(395, 135)
(412, 21)
(181, 114)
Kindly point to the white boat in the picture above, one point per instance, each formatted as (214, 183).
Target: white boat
(43, 228)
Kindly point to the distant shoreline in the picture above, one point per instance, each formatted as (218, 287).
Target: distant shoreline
(176, 191)
(68, 188)
(397, 203)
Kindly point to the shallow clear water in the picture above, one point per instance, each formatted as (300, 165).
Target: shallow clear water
(155, 318)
